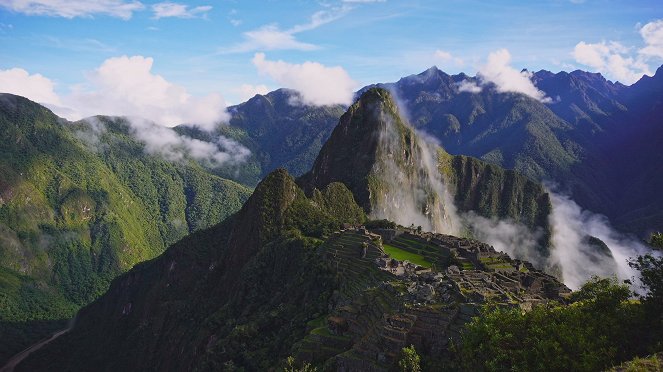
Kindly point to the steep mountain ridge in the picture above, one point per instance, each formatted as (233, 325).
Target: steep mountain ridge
(280, 131)
(394, 174)
(592, 134)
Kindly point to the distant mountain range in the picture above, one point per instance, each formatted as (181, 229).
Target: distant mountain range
(598, 140)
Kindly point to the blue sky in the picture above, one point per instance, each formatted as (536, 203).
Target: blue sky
(236, 48)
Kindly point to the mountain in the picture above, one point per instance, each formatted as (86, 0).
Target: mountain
(279, 130)
(279, 279)
(385, 164)
(596, 139)
(74, 214)
(508, 129)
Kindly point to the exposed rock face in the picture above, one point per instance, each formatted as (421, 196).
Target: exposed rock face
(393, 173)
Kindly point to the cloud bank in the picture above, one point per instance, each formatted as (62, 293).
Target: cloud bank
(318, 84)
(121, 86)
(169, 144)
(577, 258)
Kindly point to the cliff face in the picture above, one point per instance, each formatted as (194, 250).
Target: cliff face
(395, 174)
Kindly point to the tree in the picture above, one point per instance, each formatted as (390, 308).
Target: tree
(291, 366)
(656, 240)
(409, 360)
(651, 276)
(599, 329)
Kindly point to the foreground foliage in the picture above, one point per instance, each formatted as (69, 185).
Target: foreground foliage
(600, 328)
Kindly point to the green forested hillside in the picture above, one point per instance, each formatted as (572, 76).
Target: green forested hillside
(72, 217)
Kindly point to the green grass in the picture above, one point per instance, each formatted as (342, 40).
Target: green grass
(403, 255)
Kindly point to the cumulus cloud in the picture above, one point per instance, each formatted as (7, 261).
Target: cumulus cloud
(168, 9)
(247, 91)
(35, 87)
(507, 79)
(611, 59)
(126, 86)
(652, 35)
(121, 86)
(446, 57)
(272, 37)
(618, 62)
(469, 86)
(318, 84)
(74, 8)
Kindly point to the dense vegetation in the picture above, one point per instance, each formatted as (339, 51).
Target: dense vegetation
(601, 327)
(74, 213)
(242, 290)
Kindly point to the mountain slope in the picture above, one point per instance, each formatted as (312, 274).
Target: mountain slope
(279, 130)
(73, 217)
(270, 281)
(244, 288)
(508, 129)
(384, 163)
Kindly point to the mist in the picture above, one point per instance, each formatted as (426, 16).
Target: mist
(508, 236)
(167, 143)
(582, 245)
(415, 193)
(576, 257)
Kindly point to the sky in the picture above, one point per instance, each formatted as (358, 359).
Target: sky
(175, 61)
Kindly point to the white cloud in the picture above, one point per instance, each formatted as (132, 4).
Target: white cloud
(364, 1)
(317, 84)
(172, 146)
(126, 86)
(652, 34)
(611, 59)
(506, 78)
(247, 91)
(271, 37)
(166, 142)
(35, 87)
(446, 57)
(74, 8)
(121, 86)
(469, 86)
(169, 9)
(621, 63)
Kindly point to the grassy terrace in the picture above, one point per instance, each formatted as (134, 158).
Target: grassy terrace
(402, 255)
